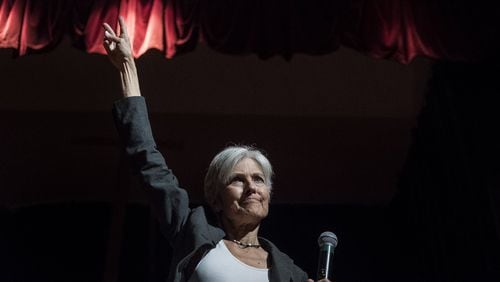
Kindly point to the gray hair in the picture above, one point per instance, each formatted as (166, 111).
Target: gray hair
(222, 164)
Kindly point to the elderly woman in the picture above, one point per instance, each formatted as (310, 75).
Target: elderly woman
(216, 244)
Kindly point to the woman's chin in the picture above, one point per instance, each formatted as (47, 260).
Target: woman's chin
(255, 211)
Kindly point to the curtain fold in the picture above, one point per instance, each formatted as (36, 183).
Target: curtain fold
(32, 25)
(270, 28)
(389, 29)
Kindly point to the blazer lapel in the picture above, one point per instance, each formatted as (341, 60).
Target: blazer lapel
(280, 264)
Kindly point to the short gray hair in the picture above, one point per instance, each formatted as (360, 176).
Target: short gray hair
(219, 170)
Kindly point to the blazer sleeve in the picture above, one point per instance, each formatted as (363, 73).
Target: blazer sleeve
(169, 202)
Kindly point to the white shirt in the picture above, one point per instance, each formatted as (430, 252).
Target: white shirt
(219, 265)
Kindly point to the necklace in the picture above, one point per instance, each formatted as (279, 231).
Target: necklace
(244, 246)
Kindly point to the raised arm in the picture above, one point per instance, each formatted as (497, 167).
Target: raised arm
(169, 202)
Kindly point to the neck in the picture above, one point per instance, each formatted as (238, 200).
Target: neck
(246, 233)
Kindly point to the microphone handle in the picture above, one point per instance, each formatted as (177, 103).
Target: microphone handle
(325, 262)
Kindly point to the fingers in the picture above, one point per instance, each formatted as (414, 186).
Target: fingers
(109, 33)
(107, 45)
(110, 38)
(115, 40)
(108, 29)
(123, 27)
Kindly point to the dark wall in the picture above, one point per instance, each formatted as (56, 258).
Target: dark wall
(337, 126)
(61, 156)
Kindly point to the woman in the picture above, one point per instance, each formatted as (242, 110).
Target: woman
(220, 244)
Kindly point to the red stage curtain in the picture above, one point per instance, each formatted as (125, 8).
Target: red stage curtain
(390, 29)
(31, 25)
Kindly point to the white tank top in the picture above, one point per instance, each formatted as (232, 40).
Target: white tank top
(219, 265)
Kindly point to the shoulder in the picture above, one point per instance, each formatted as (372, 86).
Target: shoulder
(203, 226)
(274, 251)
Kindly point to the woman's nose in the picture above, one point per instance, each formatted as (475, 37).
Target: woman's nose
(251, 185)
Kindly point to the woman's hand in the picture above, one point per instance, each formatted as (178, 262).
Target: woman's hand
(120, 54)
(118, 46)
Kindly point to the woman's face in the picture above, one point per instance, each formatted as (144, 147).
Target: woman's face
(246, 198)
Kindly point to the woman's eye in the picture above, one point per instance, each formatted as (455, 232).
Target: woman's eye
(236, 180)
(258, 179)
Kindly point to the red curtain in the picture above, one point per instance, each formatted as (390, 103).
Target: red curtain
(390, 29)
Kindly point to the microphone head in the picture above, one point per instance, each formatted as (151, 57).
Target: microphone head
(327, 237)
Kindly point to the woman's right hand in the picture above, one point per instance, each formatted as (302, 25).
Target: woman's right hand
(118, 47)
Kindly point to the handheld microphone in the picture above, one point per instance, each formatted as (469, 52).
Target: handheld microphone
(327, 242)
